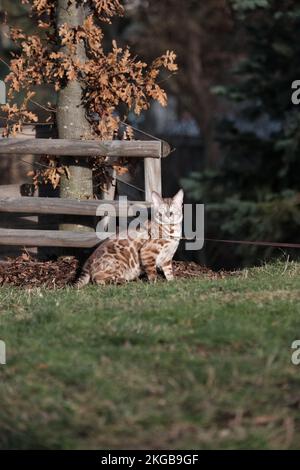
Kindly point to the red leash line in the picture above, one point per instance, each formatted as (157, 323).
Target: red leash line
(257, 243)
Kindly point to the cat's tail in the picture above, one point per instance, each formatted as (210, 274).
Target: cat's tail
(84, 278)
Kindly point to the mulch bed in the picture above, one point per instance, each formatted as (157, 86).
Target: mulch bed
(28, 272)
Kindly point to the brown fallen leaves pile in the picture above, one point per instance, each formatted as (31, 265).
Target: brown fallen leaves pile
(28, 272)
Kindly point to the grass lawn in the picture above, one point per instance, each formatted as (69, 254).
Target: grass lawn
(189, 364)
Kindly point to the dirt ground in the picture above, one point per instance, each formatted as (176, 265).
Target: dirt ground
(28, 272)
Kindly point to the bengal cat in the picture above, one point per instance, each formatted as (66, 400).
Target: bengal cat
(119, 260)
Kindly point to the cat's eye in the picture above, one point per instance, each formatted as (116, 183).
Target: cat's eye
(171, 214)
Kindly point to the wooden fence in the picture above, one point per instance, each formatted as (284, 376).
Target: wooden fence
(150, 151)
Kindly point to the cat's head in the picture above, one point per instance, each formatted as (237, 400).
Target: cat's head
(169, 210)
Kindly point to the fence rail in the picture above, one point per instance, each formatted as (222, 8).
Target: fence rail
(150, 151)
(85, 148)
(53, 205)
(42, 238)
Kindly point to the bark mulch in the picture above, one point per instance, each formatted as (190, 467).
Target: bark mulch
(28, 272)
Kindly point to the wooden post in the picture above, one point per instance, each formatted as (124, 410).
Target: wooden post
(152, 169)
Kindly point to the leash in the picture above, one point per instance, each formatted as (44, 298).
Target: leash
(255, 243)
(241, 242)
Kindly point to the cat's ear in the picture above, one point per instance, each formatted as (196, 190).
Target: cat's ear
(156, 199)
(178, 198)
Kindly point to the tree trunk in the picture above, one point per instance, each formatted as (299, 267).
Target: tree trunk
(71, 119)
(205, 106)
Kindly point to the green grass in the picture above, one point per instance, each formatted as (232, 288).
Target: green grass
(188, 364)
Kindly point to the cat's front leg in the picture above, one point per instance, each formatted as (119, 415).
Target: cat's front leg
(148, 260)
(167, 269)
